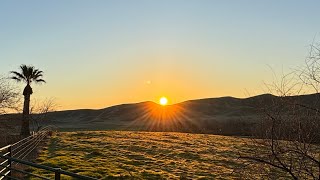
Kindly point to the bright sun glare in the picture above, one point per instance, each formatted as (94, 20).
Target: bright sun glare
(163, 101)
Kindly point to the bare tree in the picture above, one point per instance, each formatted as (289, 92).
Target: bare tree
(309, 74)
(9, 97)
(286, 142)
(39, 112)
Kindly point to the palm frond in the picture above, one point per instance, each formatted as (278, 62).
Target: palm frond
(40, 81)
(18, 75)
(15, 78)
(28, 74)
(39, 73)
(25, 70)
(36, 74)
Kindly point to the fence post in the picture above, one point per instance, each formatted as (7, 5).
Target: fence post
(9, 160)
(57, 174)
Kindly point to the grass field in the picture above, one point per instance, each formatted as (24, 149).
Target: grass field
(144, 155)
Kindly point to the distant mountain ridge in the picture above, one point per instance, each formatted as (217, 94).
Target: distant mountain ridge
(222, 115)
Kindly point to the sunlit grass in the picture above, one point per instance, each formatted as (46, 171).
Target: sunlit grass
(144, 155)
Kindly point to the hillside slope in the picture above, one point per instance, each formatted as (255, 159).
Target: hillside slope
(225, 115)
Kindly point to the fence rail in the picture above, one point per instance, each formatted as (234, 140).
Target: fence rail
(14, 154)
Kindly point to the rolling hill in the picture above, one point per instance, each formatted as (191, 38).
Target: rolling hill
(225, 115)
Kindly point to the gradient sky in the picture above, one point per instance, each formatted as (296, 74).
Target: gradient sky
(100, 53)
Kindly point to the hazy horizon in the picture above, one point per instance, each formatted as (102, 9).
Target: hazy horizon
(96, 55)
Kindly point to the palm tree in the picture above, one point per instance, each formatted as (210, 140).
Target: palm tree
(27, 74)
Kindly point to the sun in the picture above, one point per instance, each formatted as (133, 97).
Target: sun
(163, 101)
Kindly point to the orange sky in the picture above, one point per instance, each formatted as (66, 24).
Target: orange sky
(104, 53)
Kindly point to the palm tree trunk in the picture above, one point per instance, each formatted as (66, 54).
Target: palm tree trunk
(25, 129)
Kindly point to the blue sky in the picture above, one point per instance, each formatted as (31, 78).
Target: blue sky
(100, 53)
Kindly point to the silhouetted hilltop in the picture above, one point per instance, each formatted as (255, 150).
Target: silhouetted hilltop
(225, 115)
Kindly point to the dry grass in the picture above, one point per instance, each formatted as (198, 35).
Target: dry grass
(144, 155)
